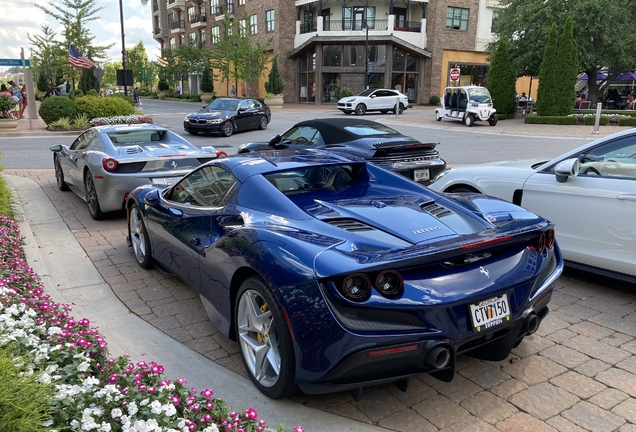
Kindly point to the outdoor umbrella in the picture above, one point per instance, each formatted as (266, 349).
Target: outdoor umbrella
(626, 76)
(599, 77)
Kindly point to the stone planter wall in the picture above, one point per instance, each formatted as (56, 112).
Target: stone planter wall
(8, 124)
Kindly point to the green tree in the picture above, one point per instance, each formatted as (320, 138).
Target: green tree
(502, 80)
(223, 55)
(48, 55)
(604, 33)
(88, 81)
(43, 84)
(549, 83)
(137, 59)
(250, 57)
(207, 81)
(569, 67)
(274, 84)
(110, 74)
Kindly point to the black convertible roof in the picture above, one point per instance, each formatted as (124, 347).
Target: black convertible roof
(333, 129)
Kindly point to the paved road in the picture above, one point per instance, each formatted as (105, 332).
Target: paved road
(578, 373)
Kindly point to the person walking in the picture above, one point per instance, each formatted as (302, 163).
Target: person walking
(62, 87)
(24, 100)
(16, 92)
(233, 91)
(136, 97)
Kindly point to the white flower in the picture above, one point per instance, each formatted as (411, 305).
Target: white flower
(152, 424)
(106, 427)
(169, 409)
(140, 426)
(155, 407)
(211, 428)
(116, 413)
(132, 408)
(83, 367)
(44, 378)
(144, 402)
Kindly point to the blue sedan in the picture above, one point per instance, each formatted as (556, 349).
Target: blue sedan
(335, 274)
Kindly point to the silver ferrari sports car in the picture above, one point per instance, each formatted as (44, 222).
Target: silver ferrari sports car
(106, 162)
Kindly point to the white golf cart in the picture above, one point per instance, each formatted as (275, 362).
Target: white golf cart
(467, 104)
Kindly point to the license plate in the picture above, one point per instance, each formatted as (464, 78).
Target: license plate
(421, 175)
(166, 181)
(490, 313)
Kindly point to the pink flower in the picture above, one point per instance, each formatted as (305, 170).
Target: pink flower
(207, 393)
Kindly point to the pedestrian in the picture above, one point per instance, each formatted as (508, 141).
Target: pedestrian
(398, 87)
(109, 91)
(16, 92)
(62, 87)
(233, 91)
(24, 100)
(178, 89)
(4, 90)
(136, 97)
(243, 92)
(154, 89)
(102, 91)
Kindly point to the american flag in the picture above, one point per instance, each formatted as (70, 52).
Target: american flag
(78, 60)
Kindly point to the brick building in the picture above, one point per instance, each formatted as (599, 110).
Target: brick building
(321, 45)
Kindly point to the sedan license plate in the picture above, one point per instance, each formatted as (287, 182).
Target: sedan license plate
(490, 312)
(421, 175)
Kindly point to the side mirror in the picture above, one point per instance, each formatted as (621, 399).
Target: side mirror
(205, 106)
(567, 168)
(275, 140)
(152, 198)
(56, 148)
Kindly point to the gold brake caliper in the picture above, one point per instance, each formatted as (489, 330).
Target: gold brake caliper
(264, 308)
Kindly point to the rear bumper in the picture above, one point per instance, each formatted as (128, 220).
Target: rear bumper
(408, 168)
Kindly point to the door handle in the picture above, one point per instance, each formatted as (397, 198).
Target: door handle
(175, 212)
(627, 197)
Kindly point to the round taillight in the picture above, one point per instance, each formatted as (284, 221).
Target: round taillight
(356, 287)
(549, 239)
(389, 284)
(540, 244)
(109, 164)
(220, 154)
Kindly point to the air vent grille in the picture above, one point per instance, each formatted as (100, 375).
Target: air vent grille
(389, 144)
(436, 210)
(350, 225)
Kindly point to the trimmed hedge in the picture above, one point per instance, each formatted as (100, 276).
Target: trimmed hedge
(123, 97)
(557, 120)
(96, 106)
(434, 100)
(54, 108)
(589, 121)
(627, 121)
(606, 112)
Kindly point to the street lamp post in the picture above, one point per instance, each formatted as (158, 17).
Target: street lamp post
(124, 57)
(366, 56)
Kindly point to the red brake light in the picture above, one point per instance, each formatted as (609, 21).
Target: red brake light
(109, 164)
(485, 242)
(220, 154)
(550, 234)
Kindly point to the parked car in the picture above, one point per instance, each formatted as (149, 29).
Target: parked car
(367, 139)
(228, 115)
(383, 100)
(467, 104)
(589, 193)
(335, 274)
(106, 162)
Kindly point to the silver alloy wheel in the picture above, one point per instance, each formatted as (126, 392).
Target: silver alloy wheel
(137, 237)
(228, 128)
(361, 109)
(91, 197)
(59, 176)
(258, 338)
(263, 123)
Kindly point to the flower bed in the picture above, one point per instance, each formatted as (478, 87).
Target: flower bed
(92, 391)
(127, 119)
(612, 119)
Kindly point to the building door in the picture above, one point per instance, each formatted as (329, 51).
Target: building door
(358, 18)
(400, 17)
(326, 19)
(309, 17)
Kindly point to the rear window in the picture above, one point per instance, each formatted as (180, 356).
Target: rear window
(368, 130)
(306, 179)
(138, 136)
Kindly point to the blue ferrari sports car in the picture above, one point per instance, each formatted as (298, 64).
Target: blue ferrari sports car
(335, 274)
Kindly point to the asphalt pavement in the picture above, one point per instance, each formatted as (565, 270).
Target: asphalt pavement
(577, 373)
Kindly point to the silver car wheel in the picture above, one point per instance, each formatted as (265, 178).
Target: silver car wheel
(137, 237)
(258, 338)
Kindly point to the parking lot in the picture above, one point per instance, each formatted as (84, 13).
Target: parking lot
(577, 373)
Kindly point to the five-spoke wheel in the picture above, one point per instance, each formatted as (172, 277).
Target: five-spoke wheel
(139, 238)
(59, 175)
(227, 128)
(91, 197)
(263, 124)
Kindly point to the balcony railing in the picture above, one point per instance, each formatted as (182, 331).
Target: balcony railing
(222, 9)
(177, 24)
(157, 30)
(308, 27)
(197, 18)
(201, 44)
(408, 26)
(356, 25)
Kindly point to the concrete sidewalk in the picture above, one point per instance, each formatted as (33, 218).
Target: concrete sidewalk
(70, 277)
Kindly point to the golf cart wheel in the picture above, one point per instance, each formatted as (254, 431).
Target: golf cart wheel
(469, 120)
(492, 120)
(438, 116)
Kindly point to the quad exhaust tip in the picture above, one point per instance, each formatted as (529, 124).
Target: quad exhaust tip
(438, 357)
(531, 324)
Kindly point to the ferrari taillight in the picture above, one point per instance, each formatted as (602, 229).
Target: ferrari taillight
(109, 164)
(549, 241)
(544, 242)
(356, 287)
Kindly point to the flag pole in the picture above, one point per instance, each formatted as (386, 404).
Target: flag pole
(72, 74)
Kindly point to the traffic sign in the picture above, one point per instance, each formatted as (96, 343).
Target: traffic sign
(454, 74)
(14, 62)
(98, 73)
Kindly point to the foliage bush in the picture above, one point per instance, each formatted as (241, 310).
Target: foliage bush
(23, 399)
(88, 80)
(163, 85)
(127, 119)
(569, 68)
(591, 120)
(274, 84)
(549, 82)
(195, 98)
(96, 106)
(557, 120)
(92, 92)
(207, 83)
(79, 93)
(627, 121)
(154, 96)
(7, 104)
(81, 122)
(62, 124)
(43, 84)
(123, 97)
(434, 100)
(502, 80)
(345, 92)
(54, 108)
(5, 199)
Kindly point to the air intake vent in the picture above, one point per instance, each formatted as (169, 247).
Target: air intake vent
(350, 225)
(131, 150)
(390, 144)
(436, 210)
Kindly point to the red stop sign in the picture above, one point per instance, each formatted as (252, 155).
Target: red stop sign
(454, 74)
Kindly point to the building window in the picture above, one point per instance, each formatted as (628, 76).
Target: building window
(191, 13)
(241, 2)
(171, 17)
(216, 33)
(242, 25)
(358, 18)
(253, 25)
(332, 55)
(192, 39)
(181, 40)
(214, 7)
(269, 18)
(495, 17)
(457, 18)
(173, 43)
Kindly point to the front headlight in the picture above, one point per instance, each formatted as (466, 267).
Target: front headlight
(215, 121)
(351, 100)
(186, 119)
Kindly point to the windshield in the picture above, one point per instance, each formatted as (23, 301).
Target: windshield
(120, 138)
(366, 92)
(479, 95)
(299, 180)
(367, 130)
(223, 105)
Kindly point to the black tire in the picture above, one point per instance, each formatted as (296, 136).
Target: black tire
(263, 124)
(438, 116)
(492, 120)
(469, 120)
(347, 112)
(91, 197)
(193, 132)
(59, 175)
(255, 299)
(384, 111)
(139, 238)
(227, 128)
(401, 107)
(361, 109)
(461, 189)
